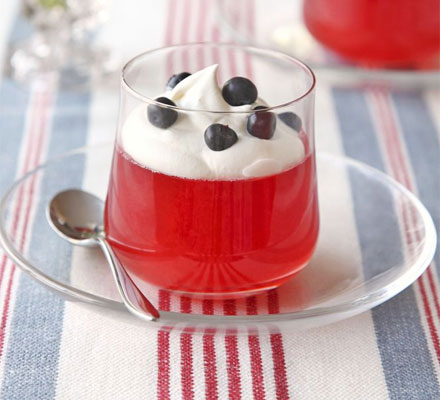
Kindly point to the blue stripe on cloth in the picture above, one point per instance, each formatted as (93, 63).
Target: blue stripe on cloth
(20, 31)
(13, 104)
(37, 319)
(400, 336)
(423, 147)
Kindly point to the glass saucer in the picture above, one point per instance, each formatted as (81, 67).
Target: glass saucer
(281, 27)
(363, 257)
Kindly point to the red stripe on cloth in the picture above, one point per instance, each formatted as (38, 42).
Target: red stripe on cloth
(279, 365)
(401, 172)
(232, 63)
(273, 306)
(24, 168)
(229, 307)
(186, 354)
(251, 305)
(169, 36)
(209, 359)
(36, 160)
(215, 51)
(276, 343)
(39, 129)
(429, 319)
(164, 300)
(208, 307)
(250, 13)
(170, 24)
(163, 352)
(232, 360)
(209, 356)
(256, 367)
(184, 35)
(430, 275)
(2, 268)
(6, 311)
(203, 12)
(255, 354)
(233, 366)
(185, 305)
(163, 365)
(187, 378)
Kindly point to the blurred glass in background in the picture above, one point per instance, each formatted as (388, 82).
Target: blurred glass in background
(384, 33)
(397, 40)
(346, 41)
(62, 39)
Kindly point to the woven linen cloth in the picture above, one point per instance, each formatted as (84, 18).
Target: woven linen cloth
(52, 349)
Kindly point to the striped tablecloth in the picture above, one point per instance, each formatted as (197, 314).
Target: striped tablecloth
(54, 349)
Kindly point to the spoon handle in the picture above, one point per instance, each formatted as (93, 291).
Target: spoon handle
(133, 298)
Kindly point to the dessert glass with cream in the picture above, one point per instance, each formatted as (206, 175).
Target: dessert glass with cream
(213, 184)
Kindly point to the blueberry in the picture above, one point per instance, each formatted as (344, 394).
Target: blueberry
(261, 124)
(220, 137)
(291, 119)
(162, 117)
(177, 78)
(239, 91)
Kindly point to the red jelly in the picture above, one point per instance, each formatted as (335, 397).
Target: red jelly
(212, 237)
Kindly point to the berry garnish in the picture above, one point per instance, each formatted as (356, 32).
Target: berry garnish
(291, 119)
(239, 91)
(177, 78)
(162, 117)
(220, 137)
(261, 124)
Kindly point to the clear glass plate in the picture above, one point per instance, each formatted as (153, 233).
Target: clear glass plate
(281, 27)
(363, 257)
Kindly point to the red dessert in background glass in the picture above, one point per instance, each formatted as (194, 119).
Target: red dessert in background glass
(377, 32)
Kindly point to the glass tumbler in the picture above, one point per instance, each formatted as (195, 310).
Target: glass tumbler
(182, 215)
(380, 33)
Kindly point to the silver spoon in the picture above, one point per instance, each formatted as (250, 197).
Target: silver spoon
(77, 216)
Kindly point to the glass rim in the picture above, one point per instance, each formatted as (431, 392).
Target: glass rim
(130, 89)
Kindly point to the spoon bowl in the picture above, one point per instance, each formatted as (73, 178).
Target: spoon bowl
(77, 217)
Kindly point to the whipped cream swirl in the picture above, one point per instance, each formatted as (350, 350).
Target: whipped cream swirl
(181, 150)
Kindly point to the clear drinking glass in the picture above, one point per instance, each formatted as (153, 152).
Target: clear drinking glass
(248, 225)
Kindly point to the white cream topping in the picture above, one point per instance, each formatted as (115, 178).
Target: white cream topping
(181, 150)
